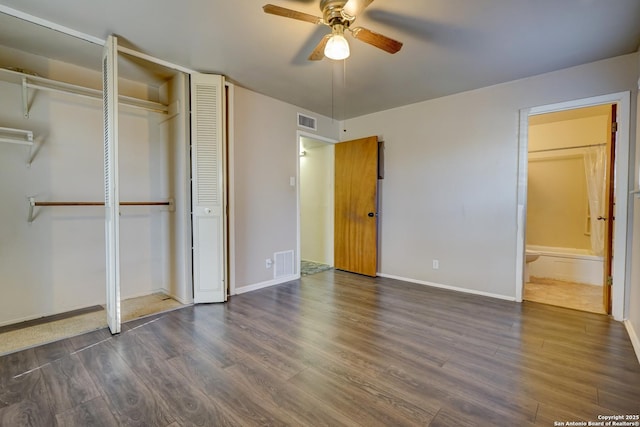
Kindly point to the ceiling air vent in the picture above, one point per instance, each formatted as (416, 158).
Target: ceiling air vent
(307, 122)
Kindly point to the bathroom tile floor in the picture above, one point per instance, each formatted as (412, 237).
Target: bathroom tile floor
(578, 296)
(308, 268)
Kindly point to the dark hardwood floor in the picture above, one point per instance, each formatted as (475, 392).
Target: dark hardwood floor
(332, 349)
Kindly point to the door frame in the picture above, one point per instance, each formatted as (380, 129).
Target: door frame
(111, 180)
(620, 262)
(302, 134)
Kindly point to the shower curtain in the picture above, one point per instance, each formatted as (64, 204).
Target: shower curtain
(594, 167)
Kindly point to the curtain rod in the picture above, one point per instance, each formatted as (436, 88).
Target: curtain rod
(567, 148)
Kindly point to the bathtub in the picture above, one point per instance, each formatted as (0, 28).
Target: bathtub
(568, 264)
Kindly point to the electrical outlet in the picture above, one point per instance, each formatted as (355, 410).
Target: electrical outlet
(436, 264)
(268, 262)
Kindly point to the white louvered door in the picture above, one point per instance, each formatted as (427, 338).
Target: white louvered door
(207, 188)
(111, 192)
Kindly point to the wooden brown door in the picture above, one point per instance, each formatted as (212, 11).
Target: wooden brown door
(356, 202)
(609, 212)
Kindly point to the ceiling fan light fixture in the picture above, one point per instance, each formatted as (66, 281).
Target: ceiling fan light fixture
(337, 47)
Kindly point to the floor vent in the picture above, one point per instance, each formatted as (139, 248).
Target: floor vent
(283, 264)
(307, 122)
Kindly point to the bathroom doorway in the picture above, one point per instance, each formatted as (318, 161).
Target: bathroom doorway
(570, 203)
(316, 204)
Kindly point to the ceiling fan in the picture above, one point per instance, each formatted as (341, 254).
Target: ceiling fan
(339, 15)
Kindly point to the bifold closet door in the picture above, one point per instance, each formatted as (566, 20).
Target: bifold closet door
(111, 192)
(208, 188)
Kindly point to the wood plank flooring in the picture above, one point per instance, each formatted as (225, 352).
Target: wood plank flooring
(332, 349)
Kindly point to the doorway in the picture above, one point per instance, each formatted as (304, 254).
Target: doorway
(316, 204)
(568, 242)
(620, 168)
(337, 204)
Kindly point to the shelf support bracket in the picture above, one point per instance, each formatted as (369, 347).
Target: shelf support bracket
(20, 137)
(32, 205)
(33, 150)
(25, 98)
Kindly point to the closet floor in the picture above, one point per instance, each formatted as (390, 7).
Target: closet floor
(15, 337)
(578, 296)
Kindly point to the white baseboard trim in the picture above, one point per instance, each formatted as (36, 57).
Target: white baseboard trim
(256, 286)
(635, 339)
(450, 288)
(185, 301)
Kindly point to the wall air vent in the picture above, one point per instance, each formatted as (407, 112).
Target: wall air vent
(307, 122)
(283, 264)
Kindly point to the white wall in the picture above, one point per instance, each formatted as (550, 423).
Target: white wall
(57, 263)
(316, 202)
(175, 143)
(633, 300)
(451, 164)
(265, 157)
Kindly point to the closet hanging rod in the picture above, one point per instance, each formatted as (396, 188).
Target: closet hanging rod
(33, 203)
(168, 203)
(567, 148)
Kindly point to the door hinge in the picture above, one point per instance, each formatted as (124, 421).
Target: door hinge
(614, 127)
(609, 280)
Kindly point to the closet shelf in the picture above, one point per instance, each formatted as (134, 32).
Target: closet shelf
(20, 137)
(29, 81)
(33, 203)
(16, 136)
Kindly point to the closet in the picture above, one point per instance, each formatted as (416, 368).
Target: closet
(56, 254)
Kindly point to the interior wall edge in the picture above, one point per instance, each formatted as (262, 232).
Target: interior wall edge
(635, 339)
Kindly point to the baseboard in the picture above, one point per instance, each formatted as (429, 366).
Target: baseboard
(635, 339)
(450, 288)
(256, 286)
(184, 301)
(47, 314)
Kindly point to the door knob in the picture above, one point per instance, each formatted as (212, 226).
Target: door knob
(601, 218)
(371, 214)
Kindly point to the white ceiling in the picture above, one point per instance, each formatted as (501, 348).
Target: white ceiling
(450, 46)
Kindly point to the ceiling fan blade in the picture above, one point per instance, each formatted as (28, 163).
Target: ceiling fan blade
(318, 52)
(353, 7)
(378, 40)
(289, 13)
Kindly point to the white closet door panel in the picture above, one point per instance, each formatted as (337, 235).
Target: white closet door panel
(208, 196)
(207, 247)
(111, 192)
